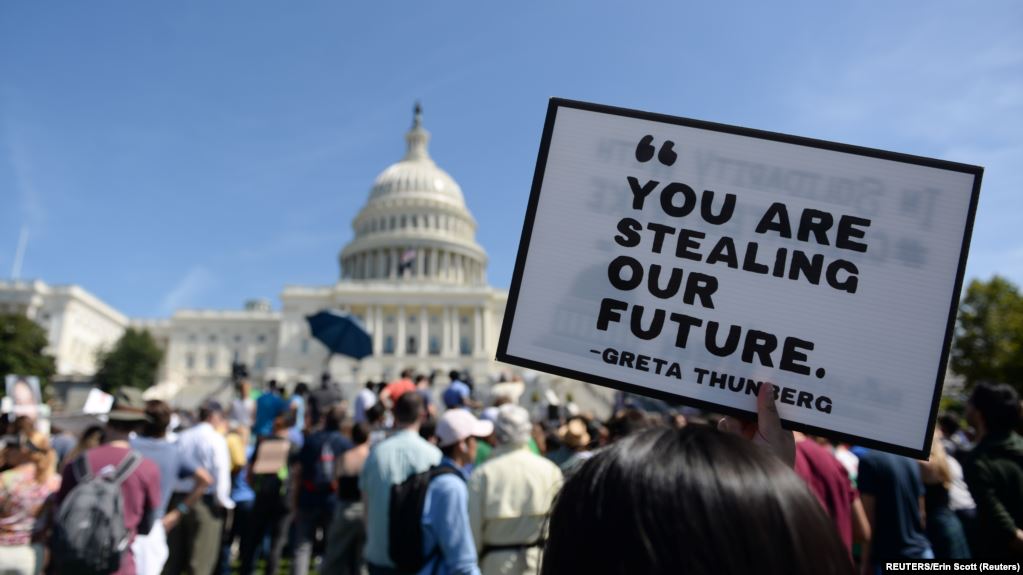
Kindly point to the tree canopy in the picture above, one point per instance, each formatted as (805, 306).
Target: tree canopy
(132, 362)
(989, 334)
(21, 349)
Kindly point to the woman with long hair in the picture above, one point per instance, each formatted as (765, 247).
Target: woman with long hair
(694, 501)
(948, 539)
(25, 490)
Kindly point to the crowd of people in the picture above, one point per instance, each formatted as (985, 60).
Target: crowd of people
(414, 479)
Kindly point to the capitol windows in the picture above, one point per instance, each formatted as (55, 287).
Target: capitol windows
(191, 338)
(404, 221)
(211, 361)
(412, 347)
(237, 339)
(213, 338)
(261, 338)
(389, 345)
(189, 361)
(260, 362)
(464, 346)
(434, 345)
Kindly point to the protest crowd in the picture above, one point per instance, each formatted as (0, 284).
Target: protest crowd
(412, 477)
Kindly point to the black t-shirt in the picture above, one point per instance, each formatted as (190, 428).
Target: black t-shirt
(895, 484)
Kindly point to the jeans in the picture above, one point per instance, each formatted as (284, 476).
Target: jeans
(307, 522)
(241, 522)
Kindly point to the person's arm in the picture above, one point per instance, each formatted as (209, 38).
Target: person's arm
(202, 480)
(860, 522)
(869, 511)
(152, 497)
(1002, 528)
(476, 493)
(222, 473)
(449, 519)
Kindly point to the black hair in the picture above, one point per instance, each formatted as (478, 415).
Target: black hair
(695, 501)
(301, 389)
(408, 409)
(370, 384)
(949, 423)
(375, 413)
(427, 430)
(333, 418)
(360, 433)
(272, 385)
(158, 416)
(627, 422)
(453, 375)
(998, 405)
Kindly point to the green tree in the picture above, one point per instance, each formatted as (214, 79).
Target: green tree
(989, 334)
(132, 362)
(21, 349)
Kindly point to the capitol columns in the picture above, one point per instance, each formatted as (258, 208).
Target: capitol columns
(477, 332)
(377, 315)
(445, 332)
(399, 347)
(424, 334)
(456, 337)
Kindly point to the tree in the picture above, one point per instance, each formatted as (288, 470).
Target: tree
(989, 334)
(21, 349)
(132, 362)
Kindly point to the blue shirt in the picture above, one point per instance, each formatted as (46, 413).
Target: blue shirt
(171, 463)
(446, 525)
(269, 407)
(390, 462)
(456, 394)
(241, 491)
(298, 402)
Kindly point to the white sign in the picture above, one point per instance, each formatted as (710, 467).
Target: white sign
(689, 260)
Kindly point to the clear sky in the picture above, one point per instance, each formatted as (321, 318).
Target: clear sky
(196, 154)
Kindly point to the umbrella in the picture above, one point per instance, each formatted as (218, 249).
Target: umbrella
(342, 333)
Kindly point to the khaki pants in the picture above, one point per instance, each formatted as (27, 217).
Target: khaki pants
(194, 543)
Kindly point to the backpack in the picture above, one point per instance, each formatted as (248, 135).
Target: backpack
(90, 535)
(405, 531)
(322, 474)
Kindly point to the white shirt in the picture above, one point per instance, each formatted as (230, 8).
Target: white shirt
(207, 449)
(364, 400)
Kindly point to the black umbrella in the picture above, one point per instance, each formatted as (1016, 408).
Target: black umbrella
(342, 333)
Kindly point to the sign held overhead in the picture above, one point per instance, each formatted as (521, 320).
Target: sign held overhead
(698, 261)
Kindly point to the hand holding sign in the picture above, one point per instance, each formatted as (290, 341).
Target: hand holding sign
(766, 431)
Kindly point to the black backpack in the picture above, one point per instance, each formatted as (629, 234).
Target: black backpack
(405, 532)
(90, 536)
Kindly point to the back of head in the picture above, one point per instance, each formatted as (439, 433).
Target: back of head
(454, 375)
(360, 433)
(158, 416)
(692, 501)
(408, 409)
(407, 373)
(302, 389)
(210, 410)
(512, 425)
(998, 405)
(333, 419)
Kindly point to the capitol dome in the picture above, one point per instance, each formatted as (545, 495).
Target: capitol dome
(415, 227)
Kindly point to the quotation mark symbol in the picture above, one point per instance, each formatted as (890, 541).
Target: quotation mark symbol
(645, 151)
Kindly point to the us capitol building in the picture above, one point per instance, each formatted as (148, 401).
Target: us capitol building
(413, 273)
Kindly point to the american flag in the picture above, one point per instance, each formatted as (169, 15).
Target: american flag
(408, 257)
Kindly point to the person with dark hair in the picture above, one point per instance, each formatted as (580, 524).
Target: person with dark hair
(195, 541)
(994, 472)
(390, 462)
(269, 407)
(953, 439)
(140, 490)
(347, 532)
(510, 495)
(91, 437)
(365, 399)
(458, 393)
(399, 387)
(323, 398)
(424, 387)
(314, 477)
(695, 501)
(446, 532)
(151, 549)
(297, 403)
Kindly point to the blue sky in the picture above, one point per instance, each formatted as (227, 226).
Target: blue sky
(196, 154)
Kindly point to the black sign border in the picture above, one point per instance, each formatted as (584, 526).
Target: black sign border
(527, 231)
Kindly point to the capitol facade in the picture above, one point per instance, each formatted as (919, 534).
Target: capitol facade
(413, 274)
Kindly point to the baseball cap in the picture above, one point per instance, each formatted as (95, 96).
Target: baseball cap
(458, 424)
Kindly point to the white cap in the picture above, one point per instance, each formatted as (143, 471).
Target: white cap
(458, 424)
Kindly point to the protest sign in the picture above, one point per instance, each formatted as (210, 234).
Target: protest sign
(684, 259)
